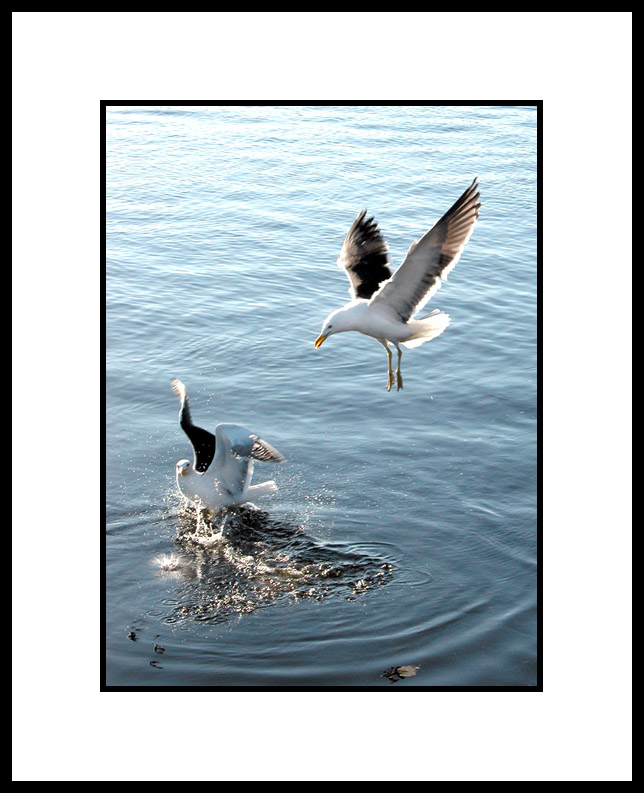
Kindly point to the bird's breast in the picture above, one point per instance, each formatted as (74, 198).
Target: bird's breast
(381, 325)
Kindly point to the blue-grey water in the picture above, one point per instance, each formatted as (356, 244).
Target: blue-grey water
(404, 531)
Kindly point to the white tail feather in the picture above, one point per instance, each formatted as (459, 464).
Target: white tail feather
(426, 328)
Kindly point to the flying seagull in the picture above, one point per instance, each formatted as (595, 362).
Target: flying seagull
(223, 463)
(384, 305)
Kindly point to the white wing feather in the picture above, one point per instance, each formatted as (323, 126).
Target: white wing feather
(233, 465)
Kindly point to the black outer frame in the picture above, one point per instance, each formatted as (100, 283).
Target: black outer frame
(104, 104)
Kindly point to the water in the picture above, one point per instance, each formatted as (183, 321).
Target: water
(404, 532)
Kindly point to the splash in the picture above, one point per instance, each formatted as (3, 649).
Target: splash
(168, 561)
(242, 560)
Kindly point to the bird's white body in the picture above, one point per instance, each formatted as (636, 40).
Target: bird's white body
(226, 483)
(212, 491)
(381, 322)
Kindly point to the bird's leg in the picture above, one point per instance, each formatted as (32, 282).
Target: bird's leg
(390, 371)
(399, 380)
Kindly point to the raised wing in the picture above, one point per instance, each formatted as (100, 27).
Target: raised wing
(233, 466)
(204, 443)
(237, 448)
(431, 258)
(364, 257)
(239, 441)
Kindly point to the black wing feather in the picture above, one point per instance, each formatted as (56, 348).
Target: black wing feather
(203, 442)
(365, 257)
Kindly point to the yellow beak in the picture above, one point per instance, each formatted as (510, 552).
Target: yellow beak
(319, 340)
(181, 471)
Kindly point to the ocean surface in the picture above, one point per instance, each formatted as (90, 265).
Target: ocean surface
(401, 547)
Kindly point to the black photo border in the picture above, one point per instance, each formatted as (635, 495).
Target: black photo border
(104, 104)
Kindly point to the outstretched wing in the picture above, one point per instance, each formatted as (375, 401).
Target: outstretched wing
(431, 258)
(364, 257)
(204, 443)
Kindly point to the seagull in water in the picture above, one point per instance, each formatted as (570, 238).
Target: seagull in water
(384, 305)
(223, 463)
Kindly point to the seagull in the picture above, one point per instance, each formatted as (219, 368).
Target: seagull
(384, 305)
(223, 463)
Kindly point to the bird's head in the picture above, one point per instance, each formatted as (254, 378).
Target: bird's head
(183, 467)
(336, 322)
